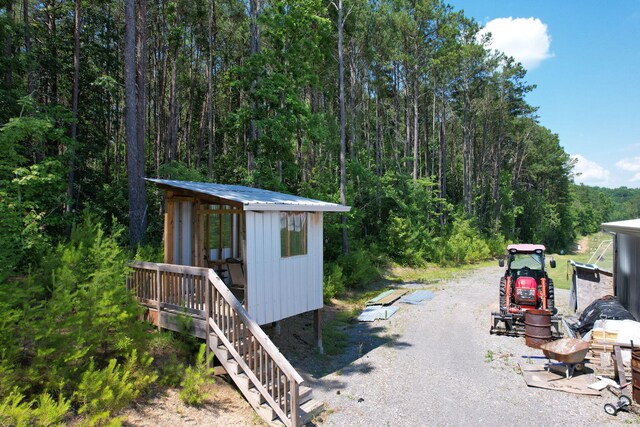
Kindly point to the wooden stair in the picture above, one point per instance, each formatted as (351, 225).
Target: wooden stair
(264, 376)
(309, 407)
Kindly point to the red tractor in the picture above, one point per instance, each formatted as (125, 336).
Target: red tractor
(525, 286)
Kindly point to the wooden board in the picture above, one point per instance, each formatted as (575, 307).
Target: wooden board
(537, 376)
(387, 297)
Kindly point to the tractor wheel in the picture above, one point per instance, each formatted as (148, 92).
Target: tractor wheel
(503, 293)
(551, 297)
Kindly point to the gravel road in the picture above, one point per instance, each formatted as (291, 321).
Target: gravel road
(429, 365)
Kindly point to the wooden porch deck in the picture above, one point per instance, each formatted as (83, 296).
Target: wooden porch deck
(197, 301)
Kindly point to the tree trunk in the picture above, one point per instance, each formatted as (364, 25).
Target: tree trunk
(27, 46)
(407, 120)
(442, 167)
(210, 103)
(466, 159)
(343, 134)
(378, 136)
(254, 44)
(141, 80)
(497, 165)
(136, 188)
(8, 50)
(352, 101)
(416, 154)
(74, 108)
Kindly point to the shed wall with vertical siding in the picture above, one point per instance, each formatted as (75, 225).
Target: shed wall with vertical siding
(279, 287)
(627, 272)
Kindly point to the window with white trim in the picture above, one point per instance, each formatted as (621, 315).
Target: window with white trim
(293, 234)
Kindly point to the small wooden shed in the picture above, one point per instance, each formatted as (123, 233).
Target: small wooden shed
(273, 240)
(626, 263)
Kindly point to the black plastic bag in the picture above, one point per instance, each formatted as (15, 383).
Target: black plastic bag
(606, 307)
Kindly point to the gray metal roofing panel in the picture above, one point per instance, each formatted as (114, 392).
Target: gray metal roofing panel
(254, 198)
(631, 226)
(417, 297)
(374, 312)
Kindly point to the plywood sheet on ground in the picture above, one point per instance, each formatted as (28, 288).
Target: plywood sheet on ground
(537, 376)
(387, 297)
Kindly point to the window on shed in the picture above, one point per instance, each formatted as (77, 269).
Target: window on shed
(293, 233)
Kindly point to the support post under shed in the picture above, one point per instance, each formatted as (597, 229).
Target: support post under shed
(317, 329)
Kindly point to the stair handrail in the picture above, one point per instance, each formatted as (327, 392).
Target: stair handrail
(211, 279)
(287, 369)
(255, 329)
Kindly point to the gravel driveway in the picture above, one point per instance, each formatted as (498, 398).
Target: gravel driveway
(429, 365)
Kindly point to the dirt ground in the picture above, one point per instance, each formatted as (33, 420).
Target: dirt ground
(430, 364)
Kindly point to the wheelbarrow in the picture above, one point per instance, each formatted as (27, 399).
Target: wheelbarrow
(569, 352)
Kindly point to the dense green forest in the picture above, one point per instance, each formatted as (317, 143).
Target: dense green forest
(394, 107)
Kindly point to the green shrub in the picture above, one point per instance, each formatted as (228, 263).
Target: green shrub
(334, 282)
(407, 241)
(358, 268)
(193, 391)
(43, 411)
(464, 245)
(102, 392)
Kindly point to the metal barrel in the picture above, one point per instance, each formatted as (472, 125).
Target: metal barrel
(635, 374)
(537, 327)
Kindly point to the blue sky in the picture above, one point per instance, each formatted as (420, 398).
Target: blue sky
(584, 56)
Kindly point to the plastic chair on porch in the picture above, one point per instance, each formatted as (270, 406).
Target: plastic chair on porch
(237, 280)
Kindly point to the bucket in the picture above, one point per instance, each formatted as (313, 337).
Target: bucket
(537, 328)
(635, 374)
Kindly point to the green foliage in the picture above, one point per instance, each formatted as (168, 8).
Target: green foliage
(102, 392)
(594, 205)
(43, 411)
(334, 282)
(193, 391)
(335, 339)
(408, 241)
(67, 326)
(358, 267)
(30, 192)
(464, 245)
(180, 171)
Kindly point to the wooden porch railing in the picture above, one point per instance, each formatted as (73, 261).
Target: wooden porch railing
(167, 286)
(201, 290)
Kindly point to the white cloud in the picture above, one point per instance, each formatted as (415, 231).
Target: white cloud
(588, 172)
(526, 39)
(631, 165)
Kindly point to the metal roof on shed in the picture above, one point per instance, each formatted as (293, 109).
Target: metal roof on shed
(253, 199)
(631, 226)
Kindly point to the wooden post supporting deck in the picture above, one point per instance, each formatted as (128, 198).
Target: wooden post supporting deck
(317, 329)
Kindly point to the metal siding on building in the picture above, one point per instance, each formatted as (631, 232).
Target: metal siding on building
(250, 265)
(279, 287)
(634, 284)
(627, 285)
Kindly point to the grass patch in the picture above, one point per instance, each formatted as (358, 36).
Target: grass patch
(334, 335)
(431, 274)
(561, 275)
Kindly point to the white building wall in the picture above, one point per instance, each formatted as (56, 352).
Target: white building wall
(278, 287)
